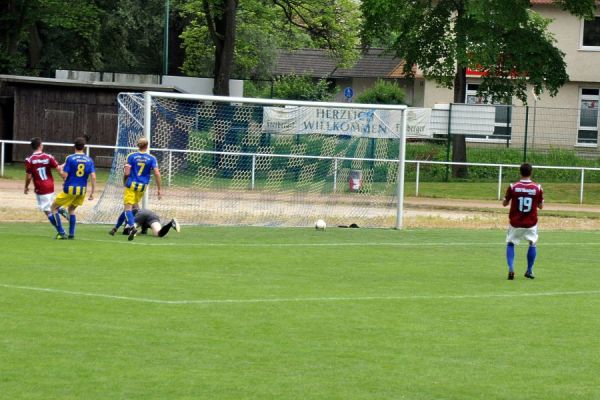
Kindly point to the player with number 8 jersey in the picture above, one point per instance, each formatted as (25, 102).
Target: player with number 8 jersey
(76, 170)
(524, 197)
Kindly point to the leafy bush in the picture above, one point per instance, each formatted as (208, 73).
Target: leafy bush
(294, 87)
(257, 89)
(383, 92)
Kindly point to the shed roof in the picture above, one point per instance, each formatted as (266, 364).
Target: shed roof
(544, 2)
(317, 63)
(29, 80)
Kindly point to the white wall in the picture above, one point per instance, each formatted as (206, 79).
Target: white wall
(201, 85)
(184, 83)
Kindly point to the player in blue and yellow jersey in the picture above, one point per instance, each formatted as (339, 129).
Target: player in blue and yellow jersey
(75, 171)
(137, 174)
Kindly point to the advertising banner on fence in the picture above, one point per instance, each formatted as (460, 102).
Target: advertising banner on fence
(345, 121)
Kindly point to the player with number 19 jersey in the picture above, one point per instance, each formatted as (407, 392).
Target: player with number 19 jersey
(525, 197)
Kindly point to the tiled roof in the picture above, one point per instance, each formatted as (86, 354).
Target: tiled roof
(317, 63)
(544, 2)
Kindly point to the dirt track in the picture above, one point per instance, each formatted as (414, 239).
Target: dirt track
(419, 212)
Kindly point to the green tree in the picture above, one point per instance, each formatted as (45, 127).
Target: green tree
(131, 35)
(41, 34)
(503, 38)
(244, 36)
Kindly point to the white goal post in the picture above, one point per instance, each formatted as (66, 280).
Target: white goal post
(244, 161)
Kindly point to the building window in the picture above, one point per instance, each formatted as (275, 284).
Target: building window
(502, 125)
(591, 33)
(587, 132)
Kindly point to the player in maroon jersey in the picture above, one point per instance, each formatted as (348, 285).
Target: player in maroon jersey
(524, 197)
(38, 168)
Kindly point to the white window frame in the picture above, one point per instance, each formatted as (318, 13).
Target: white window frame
(481, 100)
(581, 46)
(583, 97)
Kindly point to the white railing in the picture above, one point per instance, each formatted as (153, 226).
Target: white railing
(335, 160)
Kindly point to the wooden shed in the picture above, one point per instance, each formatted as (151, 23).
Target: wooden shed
(59, 110)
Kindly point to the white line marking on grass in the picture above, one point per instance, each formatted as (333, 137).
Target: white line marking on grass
(353, 244)
(304, 299)
(331, 244)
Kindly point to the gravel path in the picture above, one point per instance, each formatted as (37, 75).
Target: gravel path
(419, 212)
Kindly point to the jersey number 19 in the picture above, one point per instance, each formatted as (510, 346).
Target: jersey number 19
(525, 204)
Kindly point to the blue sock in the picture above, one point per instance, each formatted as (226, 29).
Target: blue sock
(51, 219)
(510, 256)
(59, 227)
(531, 254)
(72, 223)
(130, 218)
(120, 220)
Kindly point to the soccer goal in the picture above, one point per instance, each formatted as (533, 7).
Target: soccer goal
(242, 161)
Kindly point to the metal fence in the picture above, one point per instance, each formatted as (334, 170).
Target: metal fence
(544, 136)
(417, 171)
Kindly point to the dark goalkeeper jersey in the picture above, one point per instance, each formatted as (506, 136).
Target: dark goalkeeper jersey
(145, 218)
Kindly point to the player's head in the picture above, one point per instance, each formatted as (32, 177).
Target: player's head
(142, 143)
(526, 170)
(36, 143)
(79, 143)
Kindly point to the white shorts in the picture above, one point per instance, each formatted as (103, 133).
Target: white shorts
(515, 235)
(45, 201)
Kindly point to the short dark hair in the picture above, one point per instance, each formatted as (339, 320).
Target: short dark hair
(36, 142)
(79, 143)
(526, 169)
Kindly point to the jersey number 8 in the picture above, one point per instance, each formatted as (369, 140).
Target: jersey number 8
(80, 170)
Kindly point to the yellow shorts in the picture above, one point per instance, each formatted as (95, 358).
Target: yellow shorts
(65, 200)
(131, 196)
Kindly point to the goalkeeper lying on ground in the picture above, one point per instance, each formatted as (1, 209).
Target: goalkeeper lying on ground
(147, 219)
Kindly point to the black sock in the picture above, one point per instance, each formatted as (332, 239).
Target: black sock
(165, 229)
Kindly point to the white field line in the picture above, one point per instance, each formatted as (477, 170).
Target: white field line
(303, 299)
(161, 242)
(341, 244)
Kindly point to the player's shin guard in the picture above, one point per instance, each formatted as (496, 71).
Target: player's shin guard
(165, 229)
(51, 219)
(531, 255)
(72, 223)
(58, 224)
(510, 256)
(130, 218)
(120, 221)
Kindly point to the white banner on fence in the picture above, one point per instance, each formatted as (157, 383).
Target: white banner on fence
(467, 119)
(344, 121)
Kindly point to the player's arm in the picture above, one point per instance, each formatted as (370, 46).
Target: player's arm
(93, 180)
(28, 178)
(506, 200)
(61, 170)
(507, 196)
(158, 182)
(126, 173)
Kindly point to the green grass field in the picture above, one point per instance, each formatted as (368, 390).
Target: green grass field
(291, 313)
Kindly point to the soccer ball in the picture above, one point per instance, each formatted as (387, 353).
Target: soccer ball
(320, 225)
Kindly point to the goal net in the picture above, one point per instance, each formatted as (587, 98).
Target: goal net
(238, 161)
